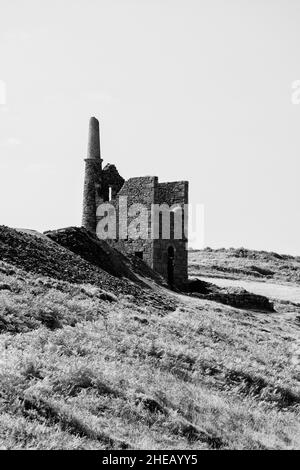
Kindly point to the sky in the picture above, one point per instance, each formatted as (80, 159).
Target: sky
(197, 90)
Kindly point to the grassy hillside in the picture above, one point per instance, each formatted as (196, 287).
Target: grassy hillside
(109, 363)
(245, 264)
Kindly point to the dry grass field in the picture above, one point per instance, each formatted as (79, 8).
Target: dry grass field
(85, 366)
(241, 263)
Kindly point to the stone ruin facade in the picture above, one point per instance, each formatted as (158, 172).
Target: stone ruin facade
(168, 256)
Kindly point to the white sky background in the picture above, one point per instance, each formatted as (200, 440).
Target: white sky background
(197, 90)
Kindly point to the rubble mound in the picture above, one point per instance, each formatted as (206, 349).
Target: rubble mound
(109, 270)
(99, 253)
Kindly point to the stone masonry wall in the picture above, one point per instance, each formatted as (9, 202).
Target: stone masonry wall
(147, 191)
(111, 179)
(138, 190)
(107, 185)
(91, 193)
(174, 193)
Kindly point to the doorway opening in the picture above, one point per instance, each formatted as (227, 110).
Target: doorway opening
(138, 254)
(171, 258)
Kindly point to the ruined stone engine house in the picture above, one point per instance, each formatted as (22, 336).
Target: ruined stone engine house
(165, 256)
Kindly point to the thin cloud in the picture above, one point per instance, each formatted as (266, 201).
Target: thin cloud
(2, 92)
(17, 36)
(39, 168)
(98, 96)
(92, 96)
(10, 142)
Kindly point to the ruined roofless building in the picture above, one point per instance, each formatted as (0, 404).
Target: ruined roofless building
(104, 185)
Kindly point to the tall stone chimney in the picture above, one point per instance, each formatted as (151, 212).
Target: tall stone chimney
(94, 139)
(92, 179)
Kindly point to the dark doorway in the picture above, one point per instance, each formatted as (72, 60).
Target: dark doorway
(171, 266)
(139, 254)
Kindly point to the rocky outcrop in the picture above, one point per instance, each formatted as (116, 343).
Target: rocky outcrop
(235, 297)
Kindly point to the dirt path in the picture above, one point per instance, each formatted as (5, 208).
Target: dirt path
(274, 291)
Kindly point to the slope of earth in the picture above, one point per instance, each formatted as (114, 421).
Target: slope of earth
(85, 366)
(101, 254)
(244, 264)
(42, 256)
